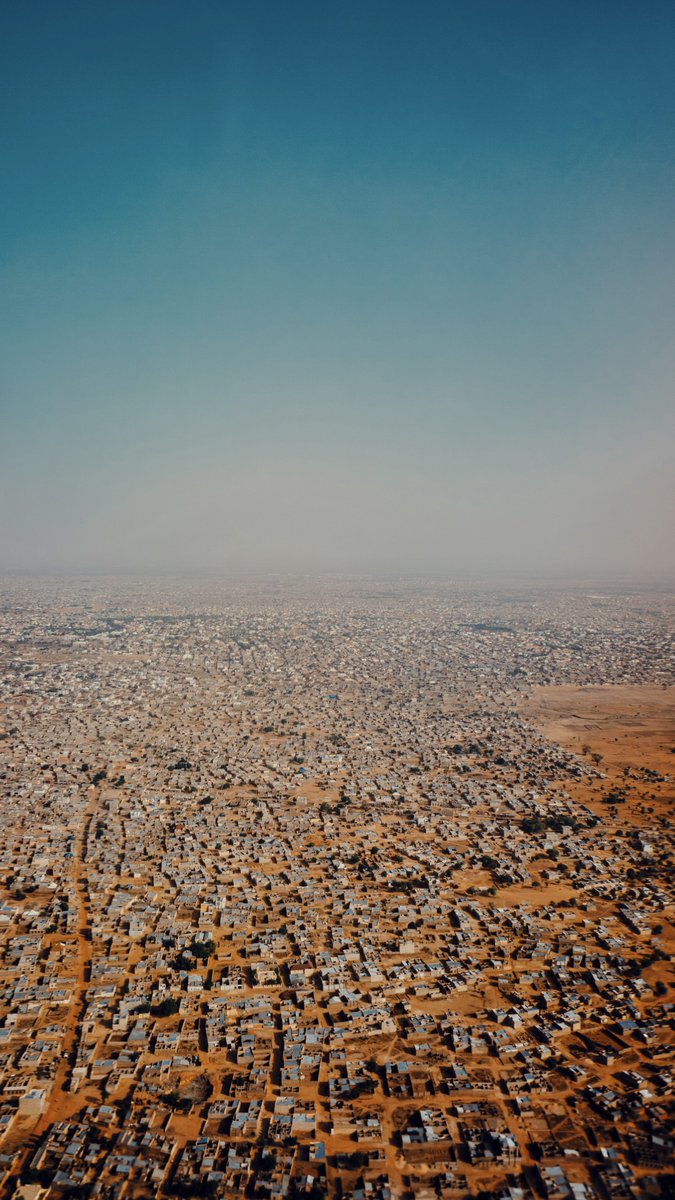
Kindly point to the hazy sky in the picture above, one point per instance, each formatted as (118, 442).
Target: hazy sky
(374, 286)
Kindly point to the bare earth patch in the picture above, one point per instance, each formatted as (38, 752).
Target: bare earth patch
(630, 726)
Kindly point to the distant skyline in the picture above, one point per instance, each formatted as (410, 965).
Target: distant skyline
(372, 287)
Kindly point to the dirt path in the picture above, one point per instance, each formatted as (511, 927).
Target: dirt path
(62, 1101)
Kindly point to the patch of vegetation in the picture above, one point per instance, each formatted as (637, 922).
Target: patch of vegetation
(203, 949)
(538, 824)
(168, 1007)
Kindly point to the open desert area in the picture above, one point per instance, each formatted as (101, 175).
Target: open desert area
(628, 725)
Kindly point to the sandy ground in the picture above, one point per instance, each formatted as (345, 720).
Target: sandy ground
(630, 726)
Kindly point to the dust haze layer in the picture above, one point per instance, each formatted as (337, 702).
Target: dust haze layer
(363, 291)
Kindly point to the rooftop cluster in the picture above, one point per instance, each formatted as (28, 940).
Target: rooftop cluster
(296, 901)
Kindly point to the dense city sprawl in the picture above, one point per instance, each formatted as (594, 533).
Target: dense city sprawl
(298, 899)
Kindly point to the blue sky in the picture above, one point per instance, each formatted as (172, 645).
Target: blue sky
(370, 286)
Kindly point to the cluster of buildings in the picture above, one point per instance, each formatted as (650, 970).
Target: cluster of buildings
(295, 900)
